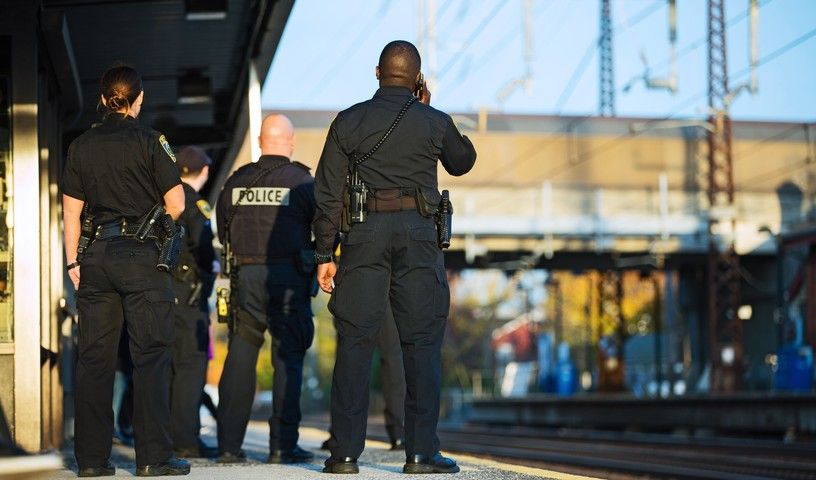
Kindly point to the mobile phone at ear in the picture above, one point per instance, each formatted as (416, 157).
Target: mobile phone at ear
(420, 86)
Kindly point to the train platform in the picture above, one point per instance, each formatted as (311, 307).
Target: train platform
(376, 462)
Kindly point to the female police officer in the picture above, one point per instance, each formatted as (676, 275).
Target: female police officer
(116, 172)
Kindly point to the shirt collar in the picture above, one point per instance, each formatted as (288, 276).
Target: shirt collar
(273, 158)
(393, 91)
(118, 117)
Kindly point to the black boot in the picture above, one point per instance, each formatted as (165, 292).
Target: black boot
(173, 466)
(104, 471)
(434, 464)
(341, 465)
(295, 455)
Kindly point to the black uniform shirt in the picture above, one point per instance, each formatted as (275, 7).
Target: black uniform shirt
(120, 168)
(274, 218)
(199, 249)
(407, 159)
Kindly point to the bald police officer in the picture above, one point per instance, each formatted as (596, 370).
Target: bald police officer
(266, 209)
(193, 283)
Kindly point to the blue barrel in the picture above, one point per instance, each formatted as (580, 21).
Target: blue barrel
(567, 379)
(794, 370)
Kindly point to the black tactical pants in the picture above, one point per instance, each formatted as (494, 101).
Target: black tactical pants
(119, 282)
(189, 368)
(274, 297)
(393, 255)
(392, 378)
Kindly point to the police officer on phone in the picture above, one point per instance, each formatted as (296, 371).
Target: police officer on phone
(193, 283)
(119, 180)
(377, 177)
(264, 216)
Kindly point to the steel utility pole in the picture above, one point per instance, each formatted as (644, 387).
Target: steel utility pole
(606, 100)
(724, 326)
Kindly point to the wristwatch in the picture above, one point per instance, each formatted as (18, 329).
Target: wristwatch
(322, 258)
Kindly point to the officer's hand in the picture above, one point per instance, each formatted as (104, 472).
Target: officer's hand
(74, 275)
(325, 276)
(426, 95)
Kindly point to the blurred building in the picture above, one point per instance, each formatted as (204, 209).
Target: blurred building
(611, 195)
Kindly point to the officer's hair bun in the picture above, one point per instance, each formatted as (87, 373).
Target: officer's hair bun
(117, 102)
(121, 85)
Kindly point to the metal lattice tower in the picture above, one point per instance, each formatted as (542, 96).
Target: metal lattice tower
(725, 328)
(606, 100)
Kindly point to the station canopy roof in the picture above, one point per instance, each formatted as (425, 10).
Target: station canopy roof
(193, 55)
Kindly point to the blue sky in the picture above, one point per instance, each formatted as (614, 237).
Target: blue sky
(329, 49)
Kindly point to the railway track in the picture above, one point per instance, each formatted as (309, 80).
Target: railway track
(637, 454)
(641, 454)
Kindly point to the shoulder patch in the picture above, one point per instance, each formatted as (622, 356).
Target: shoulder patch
(205, 208)
(166, 147)
(305, 167)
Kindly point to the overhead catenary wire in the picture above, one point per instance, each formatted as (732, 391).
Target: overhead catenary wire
(680, 106)
(473, 35)
(592, 48)
(355, 45)
(690, 47)
(538, 149)
(511, 34)
(617, 29)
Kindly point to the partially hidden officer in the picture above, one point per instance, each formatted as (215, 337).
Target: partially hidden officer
(193, 284)
(124, 177)
(264, 217)
(387, 148)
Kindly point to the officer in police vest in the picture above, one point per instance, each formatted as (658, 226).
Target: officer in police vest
(265, 212)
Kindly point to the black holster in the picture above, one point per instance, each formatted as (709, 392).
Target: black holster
(170, 242)
(444, 221)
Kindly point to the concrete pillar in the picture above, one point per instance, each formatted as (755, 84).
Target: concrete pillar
(25, 192)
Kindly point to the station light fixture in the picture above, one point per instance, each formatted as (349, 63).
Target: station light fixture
(205, 9)
(728, 355)
(744, 312)
(194, 88)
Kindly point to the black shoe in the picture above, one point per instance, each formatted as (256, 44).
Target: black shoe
(173, 466)
(295, 455)
(425, 464)
(201, 451)
(104, 471)
(398, 444)
(229, 457)
(341, 465)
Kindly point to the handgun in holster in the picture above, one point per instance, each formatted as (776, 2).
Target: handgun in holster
(150, 223)
(170, 242)
(444, 221)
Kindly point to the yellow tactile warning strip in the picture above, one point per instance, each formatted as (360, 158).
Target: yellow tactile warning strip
(468, 459)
